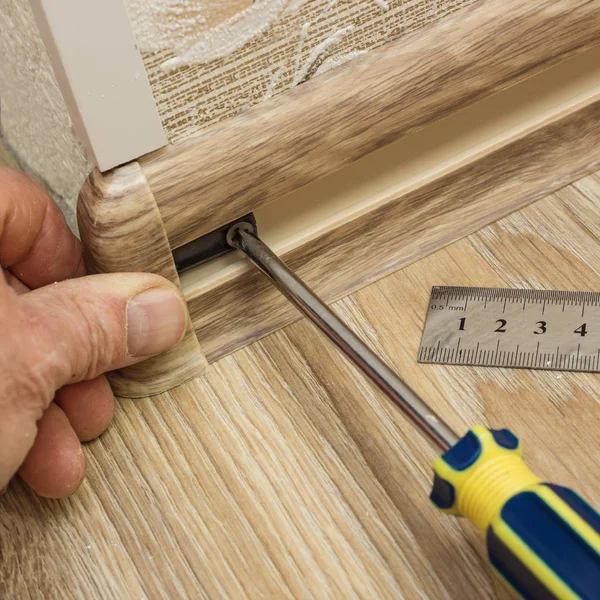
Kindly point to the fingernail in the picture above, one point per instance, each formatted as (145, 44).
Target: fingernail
(155, 321)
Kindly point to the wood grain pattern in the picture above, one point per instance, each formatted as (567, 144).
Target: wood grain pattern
(283, 474)
(317, 128)
(122, 231)
(388, 235)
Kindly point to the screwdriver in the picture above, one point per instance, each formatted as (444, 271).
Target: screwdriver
(543, 539)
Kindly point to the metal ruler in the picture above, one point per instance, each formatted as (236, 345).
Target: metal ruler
(534, 329)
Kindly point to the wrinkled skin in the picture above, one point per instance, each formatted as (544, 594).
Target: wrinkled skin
(59, 332)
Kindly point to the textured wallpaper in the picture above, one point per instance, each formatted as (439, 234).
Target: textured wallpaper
(209, 59)
(34, 124)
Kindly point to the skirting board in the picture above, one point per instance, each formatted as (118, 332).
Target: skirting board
(235, 306)
(386, 167)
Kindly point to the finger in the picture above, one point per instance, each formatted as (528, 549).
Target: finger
(35, 241)
(74, 331)
(89, 406)
(55, 465)
(78, 329)
(81, 328)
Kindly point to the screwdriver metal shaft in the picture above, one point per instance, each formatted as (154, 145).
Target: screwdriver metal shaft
(243, 237)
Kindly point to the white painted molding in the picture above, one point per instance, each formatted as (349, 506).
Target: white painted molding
(102, 78)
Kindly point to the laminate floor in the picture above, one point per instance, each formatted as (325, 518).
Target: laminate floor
(284, 474)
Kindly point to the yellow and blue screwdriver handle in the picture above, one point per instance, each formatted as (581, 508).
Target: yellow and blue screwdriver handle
(543, 539)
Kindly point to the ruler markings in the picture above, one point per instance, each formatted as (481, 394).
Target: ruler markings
(483, 339)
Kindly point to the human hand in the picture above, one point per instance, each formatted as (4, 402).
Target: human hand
(57, 340)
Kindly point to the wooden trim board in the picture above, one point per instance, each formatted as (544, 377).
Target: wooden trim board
(102, 78)
(117, 210)
(434, 145)
(326, 124)
(302, 215)
(236, 306)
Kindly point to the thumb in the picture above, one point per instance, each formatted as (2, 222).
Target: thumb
(72, 331)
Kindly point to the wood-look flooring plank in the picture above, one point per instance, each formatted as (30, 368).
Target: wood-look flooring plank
(283, 474)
